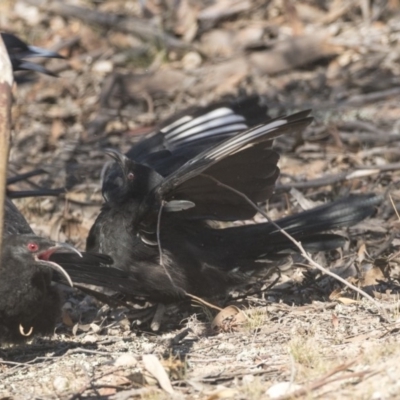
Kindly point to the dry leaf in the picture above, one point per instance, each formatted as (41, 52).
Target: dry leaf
(224, 393)
(372, 277)
(224, 8)
(222, 78)
(126, 360)
(305, 203)
(229, 319)
(95, 328)
(335, 294)
(218, 43)
(57, 129)
(362, 251)
(153, 365)
(335, 321)
(110, 381)
(186, 20)
(281, 389)
(106, 391)
(90, 339)
(292, 53)
(346, 301)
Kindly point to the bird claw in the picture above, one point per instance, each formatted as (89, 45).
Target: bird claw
(22, 330)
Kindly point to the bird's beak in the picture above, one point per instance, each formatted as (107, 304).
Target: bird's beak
(58, 247)
(117, 156)
(44, 256)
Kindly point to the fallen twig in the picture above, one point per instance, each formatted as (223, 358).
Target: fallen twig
(324, 380)
(300, 246)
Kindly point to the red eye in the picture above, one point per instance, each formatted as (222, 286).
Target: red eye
(130, 176)
(33, 247)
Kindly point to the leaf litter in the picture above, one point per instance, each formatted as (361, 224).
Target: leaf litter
(300, 330)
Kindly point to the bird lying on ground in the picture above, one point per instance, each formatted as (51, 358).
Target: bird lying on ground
(161, 199)
(29, 301)
(18, 51)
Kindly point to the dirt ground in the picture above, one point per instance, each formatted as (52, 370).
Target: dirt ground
(128, 65)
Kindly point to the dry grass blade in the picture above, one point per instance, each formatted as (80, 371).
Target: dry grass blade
(394, 207)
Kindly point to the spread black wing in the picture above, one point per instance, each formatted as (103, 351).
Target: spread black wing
(187, 134)
(245, 162)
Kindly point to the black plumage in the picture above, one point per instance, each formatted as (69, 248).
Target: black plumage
(29, 303)
(87, 268)
(30, 265)
(151, 210)
(185, 135)
(19, 51)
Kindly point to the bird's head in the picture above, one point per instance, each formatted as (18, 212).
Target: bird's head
(35, 250)
(127, 180)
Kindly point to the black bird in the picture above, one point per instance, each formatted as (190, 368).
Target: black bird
(18, 51)
(149, 213)
(81, 268)
(29, 301)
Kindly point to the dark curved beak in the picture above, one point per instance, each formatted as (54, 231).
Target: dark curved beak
(58, 247)
(117, 156)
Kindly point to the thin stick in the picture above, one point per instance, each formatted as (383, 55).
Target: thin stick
(299, 246)
(200, 300)
(6, 82)
(160, 251)
(394, 207)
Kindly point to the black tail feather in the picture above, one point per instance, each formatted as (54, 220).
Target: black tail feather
(341, 213)
(95, 269)
(259, 240)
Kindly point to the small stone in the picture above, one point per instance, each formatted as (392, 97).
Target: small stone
(60, 384)
(103, 67)
(282, 389)
(126, 360)
(191, 60)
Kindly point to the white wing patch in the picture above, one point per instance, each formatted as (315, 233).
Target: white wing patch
(197, 134)
(179, 122)
(222, 120)
(231, 146)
